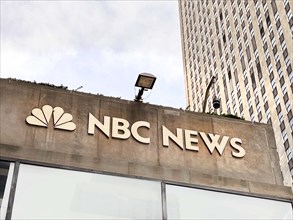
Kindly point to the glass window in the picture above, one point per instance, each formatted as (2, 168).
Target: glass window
(275, 49)
(285, 97)
(190, 203)
(282, 38)
(262, 32)
(259, 116)
(278, 23)
(278, 108)
(253, 43)
(265, 46)
(282, 80)
(286, 144)
(268, 20)
(266, 105)
(6, 173)
(275, 92)
(250, 26)
(285, 53)
(289, 69)
(250, 110)
(49, 193)
(274, 7)
(263, 90)
(271, 35)
(258, 12)
(243, 64)
(268, 61)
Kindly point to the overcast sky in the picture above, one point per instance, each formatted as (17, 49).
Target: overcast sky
(100, 45)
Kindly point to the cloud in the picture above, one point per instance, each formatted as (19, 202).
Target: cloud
(101, 45)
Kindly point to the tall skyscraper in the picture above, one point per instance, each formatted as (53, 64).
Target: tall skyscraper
(248, 46)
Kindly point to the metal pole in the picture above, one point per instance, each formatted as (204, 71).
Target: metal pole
(206, 94)
(139, 95)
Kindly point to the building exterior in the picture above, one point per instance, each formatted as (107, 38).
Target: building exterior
(71, 155)
(248, 46)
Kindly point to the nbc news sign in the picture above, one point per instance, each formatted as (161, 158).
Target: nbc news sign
(122, 129)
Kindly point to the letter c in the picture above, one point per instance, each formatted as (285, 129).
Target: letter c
(134, 131)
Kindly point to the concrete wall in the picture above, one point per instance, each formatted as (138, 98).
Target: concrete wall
(257, 172)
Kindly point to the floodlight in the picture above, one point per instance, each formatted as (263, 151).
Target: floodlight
(145, 81)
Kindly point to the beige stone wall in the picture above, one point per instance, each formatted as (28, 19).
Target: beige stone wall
(257, 172)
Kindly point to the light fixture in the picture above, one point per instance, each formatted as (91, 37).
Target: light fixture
(145, 81)
(216, 101)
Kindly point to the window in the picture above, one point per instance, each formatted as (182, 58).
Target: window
(250, 26)
(287, 8)
(275, 49)
(266, 106)
(263, 90)
(243, 64)
(289, 69)
(238, 34)
(291, 22)
(268, 61)
(250, 110)
(191, 203)
(278, 24)
(282, 81)
(6, 172)
(258, 12)
(282, 38)
(253, 43)
(4, 167)
(241, 107)
(259, 116)
(282, 126)
(269, 121)
(271, 76)
(286, 144)
(240, 46)
(236, 75)
(229, 74)
(268, 20)
(275, 92)
(248, 95)
(265, 46)
(286, 98)
(262, 32)
(245, 37)
(274, 7)
(271, 35)
(258, 68)
(229, 36)
(278, 108)
(252, 79)
(278, 65)
(285, 53)
(83, 195)
(238, 94)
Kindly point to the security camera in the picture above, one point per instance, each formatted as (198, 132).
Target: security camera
(216, 103)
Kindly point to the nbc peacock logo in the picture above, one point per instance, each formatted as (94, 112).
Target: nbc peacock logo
(42, 116)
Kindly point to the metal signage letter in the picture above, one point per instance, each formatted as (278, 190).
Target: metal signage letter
(134, 131)
(212, 142)
(177, 139)
(105, 128)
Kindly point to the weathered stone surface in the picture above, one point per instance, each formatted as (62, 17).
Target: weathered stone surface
(219, 182)
(175, 175)
(269, 189)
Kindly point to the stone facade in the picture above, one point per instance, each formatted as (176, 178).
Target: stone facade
(258, 172)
